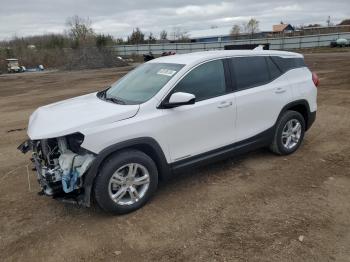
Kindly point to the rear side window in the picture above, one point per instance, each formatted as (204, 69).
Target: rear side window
(205, 81)
(285, 64)
(275, 72)
(250, 71)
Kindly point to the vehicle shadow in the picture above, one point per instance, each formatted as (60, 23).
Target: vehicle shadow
(186, 180)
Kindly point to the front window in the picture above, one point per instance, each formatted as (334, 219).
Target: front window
(205, 81)
(142, 83)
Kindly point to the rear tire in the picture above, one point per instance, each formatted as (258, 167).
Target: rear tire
(289, 133)
(126, 182)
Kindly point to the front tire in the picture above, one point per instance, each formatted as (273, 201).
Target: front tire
(289, 134)
(126, 182)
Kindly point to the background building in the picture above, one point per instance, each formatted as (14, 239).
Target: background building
(282, 28)
(210, 35)
(221, 34)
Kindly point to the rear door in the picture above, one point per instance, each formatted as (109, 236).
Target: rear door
(261, 91)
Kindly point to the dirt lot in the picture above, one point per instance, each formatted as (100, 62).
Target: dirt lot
(252, 208)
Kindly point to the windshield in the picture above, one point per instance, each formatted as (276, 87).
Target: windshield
(142, 83)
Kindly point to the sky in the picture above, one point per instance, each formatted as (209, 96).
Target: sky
(119, 17)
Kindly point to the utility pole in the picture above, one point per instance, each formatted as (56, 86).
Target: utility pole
(329, 23)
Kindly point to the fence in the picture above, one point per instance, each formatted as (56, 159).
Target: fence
(280, 43)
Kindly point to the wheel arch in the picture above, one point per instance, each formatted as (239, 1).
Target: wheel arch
(302, 107)
(146, 145)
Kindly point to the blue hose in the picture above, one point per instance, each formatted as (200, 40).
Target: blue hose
(69, 181)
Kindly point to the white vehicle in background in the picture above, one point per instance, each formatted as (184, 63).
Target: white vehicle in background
(13, 66)
(169, 114)
(340, 42)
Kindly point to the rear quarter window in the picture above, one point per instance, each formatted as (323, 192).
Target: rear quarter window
(286, 64)
(275, 72)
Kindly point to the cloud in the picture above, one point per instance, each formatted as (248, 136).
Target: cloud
(289, 8)
(22, 18)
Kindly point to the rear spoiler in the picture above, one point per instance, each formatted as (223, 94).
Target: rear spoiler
(259, 48)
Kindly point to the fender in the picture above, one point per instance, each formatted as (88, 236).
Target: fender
(308, 115)
(143, 143)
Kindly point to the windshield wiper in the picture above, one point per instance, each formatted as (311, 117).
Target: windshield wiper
(103, 95)
(114, 100)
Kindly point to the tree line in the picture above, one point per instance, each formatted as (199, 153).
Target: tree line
(79, 33)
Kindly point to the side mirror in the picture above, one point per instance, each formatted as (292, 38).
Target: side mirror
(179, 99)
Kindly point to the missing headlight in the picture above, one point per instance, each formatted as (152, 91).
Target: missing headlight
(74, 142)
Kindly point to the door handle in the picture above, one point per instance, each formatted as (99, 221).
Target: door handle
(225, 104)
(280, 90)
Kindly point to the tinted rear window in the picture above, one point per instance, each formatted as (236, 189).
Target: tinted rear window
(250, 71)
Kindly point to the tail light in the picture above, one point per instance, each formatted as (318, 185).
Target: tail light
(315, 79)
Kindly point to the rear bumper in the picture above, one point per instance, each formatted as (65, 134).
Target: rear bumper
(311, 120)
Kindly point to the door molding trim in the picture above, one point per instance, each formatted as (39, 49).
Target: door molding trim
(263, 139)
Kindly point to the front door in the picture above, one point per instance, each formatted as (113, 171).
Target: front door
(209, 123)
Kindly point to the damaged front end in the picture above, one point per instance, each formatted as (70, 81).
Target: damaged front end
(60, 165)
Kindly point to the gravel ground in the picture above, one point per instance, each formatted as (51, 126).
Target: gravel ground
(258, 207)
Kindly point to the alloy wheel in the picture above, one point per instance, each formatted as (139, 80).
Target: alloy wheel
(291, 134)
(129, 184)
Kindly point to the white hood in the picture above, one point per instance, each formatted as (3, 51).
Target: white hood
(72, 115)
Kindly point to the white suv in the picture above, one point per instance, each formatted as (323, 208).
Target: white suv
(166, 115)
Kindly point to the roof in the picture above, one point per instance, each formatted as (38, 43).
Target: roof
(280, 27)
(215, 32)
(198, 57)
(212, 32)
(345, 22)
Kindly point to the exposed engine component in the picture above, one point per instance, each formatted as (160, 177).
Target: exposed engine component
(73, 166)
(60, 163)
